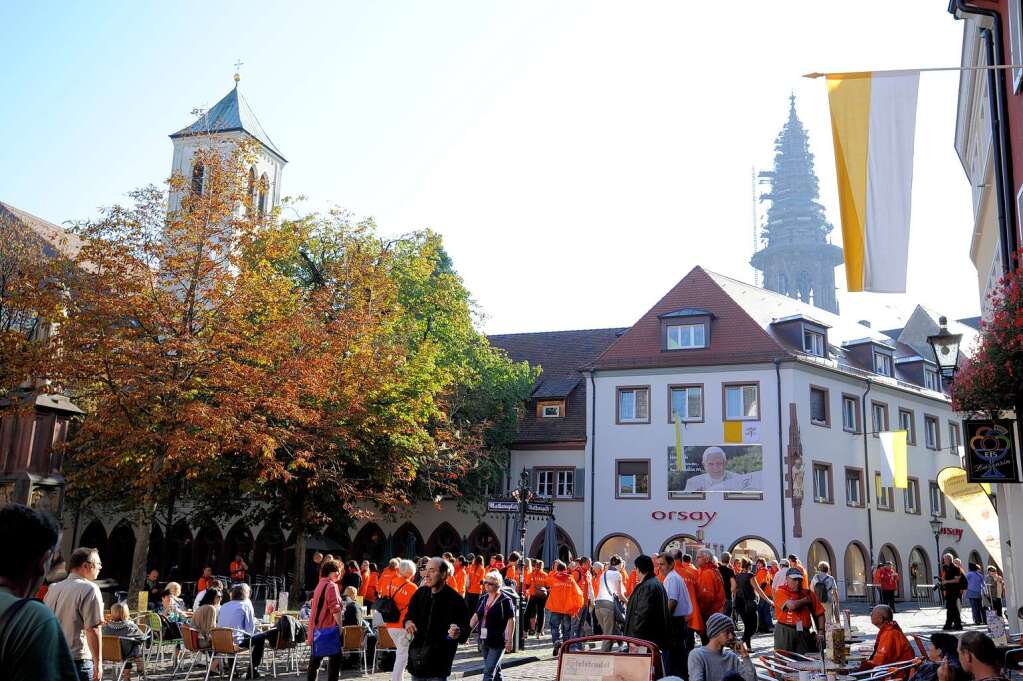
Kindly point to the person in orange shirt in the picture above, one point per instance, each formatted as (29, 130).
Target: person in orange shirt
(583, 575)
(710, 589)
(564, 600)
(511, 570)
(239, 568)
(537, 594)
(401, 589)
(764, 577)
(631, 580)
(474, 582)
(387, 575)
(369, 585)
(797, 609)
(459, 576)
(694, 624)
(891, 644)
(206, 579)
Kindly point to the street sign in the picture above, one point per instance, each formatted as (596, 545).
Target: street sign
(539, 508)
(502, 506)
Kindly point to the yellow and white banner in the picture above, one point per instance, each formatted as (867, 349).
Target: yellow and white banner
(894, 459)
(741, 432)
(873, 124)
(975, 506)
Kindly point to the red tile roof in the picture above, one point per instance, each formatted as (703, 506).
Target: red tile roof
(736, 338)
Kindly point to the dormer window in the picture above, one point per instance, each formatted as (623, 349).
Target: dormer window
(882, 364)
(931, 381)
(550, 409)
(814, 343)
(685, 329)
(685, 336)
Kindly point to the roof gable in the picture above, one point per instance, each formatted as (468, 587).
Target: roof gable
(230, 114)
(735, 336)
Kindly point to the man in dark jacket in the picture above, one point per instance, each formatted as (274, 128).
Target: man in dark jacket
(646, 616)
(437, 621)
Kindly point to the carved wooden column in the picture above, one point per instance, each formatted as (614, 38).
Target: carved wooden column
(794, 476)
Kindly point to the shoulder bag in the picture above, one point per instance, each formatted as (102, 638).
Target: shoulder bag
(326, 640)
(421, 658)
(619, 606)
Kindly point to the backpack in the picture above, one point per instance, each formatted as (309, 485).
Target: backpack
(820, 588)
(388, 607)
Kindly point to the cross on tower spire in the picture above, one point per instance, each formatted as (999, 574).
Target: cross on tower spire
(237, 71)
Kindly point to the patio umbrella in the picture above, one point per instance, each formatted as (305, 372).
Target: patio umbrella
(389, 547)
(550, 543)
(410, 546)
(513, 540)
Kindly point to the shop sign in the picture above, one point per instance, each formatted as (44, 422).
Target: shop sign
(704, 517)
(956, 532)
(990, 451)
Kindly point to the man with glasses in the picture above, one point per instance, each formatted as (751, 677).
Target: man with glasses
(78, 605)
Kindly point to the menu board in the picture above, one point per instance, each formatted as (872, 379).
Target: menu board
(595, 666)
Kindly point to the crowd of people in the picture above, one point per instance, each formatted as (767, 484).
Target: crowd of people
(426, 609)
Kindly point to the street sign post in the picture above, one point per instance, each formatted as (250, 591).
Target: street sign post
(522, 504)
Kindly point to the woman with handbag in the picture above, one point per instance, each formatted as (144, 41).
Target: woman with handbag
(495, 616)
(324, 637)
(609, 603)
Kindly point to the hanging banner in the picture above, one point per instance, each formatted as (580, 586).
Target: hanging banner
(716, 468)
(894, 462)
(974, 506)
(990, 451)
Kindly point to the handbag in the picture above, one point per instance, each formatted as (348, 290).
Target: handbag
(617, 602)
(326, 640)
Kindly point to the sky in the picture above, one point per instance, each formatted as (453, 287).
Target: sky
(579, 157)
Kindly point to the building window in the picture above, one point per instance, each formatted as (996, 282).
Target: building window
(1016, 41)
(545, 483)
(634, 405)
(742, 402)
(907, 423)
(850, 414)
(820, 412)
(885, 495)
(954, 439)
(686, 401)
(566, 484)
(633, 479)
(931, 381)
(932, 437)
(264, 190)
(813, 343)
(822, 488)
(879, 414)
(198, 178)
(685, 336)
(550, 409)
(937, 501)
(882, 364)
(912, 496)
(854, 487)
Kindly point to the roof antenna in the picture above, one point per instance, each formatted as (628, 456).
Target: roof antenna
(237, 71)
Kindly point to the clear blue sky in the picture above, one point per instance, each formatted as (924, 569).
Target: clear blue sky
(578, 157)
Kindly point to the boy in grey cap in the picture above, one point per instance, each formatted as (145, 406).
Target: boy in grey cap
(713, 662)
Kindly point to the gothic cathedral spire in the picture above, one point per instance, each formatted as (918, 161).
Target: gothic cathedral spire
(797, 258)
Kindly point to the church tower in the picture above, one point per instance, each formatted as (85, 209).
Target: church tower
(797, 257)
(228, 121)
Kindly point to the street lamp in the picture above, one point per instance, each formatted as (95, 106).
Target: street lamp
(935, 524)
(945, 346)
(522, 494)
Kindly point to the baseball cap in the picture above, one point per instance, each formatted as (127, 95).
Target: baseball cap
(794, 572)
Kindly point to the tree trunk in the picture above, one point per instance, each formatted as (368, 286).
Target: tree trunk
(143, 529)
(298, 585)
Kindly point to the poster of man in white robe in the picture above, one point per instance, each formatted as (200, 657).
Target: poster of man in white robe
(717, 468)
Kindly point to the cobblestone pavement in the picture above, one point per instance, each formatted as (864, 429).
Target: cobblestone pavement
(536, 662)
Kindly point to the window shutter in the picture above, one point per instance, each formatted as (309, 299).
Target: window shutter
(580, 483)
(633, 468)
(642, 404)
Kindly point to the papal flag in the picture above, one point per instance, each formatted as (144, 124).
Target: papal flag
(873, 123)
(894, 463)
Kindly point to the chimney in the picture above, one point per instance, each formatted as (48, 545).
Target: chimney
(865, 322)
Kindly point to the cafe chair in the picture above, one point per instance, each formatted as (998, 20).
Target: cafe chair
(224, 649)
(353, 642)
(190, 640)
(290, 660)
(111, 652)
(795, 657)
(385, 644)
